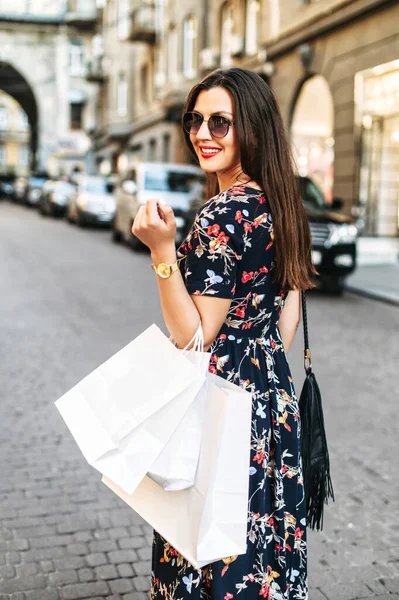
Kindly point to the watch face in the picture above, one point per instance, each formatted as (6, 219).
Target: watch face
(163, 270)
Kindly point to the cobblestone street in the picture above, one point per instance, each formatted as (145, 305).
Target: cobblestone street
(69, 300)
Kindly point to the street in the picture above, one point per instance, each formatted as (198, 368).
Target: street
(70, 299)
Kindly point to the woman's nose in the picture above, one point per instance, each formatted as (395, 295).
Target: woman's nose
(203, 132)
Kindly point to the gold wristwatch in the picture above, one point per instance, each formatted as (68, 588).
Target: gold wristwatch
(164, 270)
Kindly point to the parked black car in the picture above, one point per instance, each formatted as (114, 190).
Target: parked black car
(334, 237)
(54, 198)
(34, 188)
(6, 186)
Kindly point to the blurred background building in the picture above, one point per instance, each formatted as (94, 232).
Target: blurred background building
(103, 84)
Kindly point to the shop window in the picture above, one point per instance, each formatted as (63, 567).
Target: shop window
(3, 118)
(226, 35)
(190, 47)
(3, 155)
(76, 59)
(76, 111)
(312, 132)
(172, 53)
(377, 119)
(123, 19)
(122, 95)
(251, 26)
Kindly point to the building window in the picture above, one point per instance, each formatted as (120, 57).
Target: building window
(3, 155)
(251, 26)
(3, 118)
(97, 45)
(76, 115)
(190, 47)
(122, 95)
(152, 148)
(76, 59)
(144, 82)
(172, 54)
(123, 19)
(226, 35)
(166, 147)
(23, 156)
(22, 122)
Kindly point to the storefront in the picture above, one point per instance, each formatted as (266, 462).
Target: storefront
(377, 119)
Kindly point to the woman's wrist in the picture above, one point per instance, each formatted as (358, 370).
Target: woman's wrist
(164, 254)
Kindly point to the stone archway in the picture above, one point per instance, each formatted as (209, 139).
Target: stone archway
(14, 84)
(312, 132)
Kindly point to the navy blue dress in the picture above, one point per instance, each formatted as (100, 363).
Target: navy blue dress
(229, 253)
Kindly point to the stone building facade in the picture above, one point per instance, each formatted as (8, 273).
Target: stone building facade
(45, 52)
(336, 76)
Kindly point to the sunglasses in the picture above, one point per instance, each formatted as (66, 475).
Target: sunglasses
(218, 126)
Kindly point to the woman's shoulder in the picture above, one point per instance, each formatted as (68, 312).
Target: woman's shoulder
(237, 198)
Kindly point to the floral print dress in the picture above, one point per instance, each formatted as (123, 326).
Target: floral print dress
(229, 253)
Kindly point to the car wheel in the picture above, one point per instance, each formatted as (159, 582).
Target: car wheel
(81, 221)
(334, 285)
(116, 235)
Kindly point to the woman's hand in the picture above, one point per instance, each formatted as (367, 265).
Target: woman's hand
(155, 226)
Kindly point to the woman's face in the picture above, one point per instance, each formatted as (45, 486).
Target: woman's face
(216, 155)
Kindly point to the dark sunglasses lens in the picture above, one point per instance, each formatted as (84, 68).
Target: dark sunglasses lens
(192, 123)
(218, 126)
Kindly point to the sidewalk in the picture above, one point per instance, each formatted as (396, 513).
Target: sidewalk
(380, 282)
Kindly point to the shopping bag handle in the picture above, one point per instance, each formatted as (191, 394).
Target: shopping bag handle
(197, 341)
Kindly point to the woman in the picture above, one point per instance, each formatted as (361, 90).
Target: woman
(248, 247)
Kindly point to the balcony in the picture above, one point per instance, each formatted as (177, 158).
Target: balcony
(82, 14)
(142, 24)
(95, 72)
(13, 135)
(118, 131)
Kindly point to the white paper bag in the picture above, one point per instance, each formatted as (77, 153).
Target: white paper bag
(124, 412)
(176, 466)
(208, 521)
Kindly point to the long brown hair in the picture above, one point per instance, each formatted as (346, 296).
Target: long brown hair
(266, 158)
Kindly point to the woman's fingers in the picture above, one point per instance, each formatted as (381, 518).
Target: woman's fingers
(151, 211)
(166, 213)
(138, 221)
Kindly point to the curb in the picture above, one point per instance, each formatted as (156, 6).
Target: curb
(373, 294)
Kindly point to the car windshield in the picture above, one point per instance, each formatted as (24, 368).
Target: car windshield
(95, 186)
(64, 186)
(36, 182)
(171, 181)
(312, 196)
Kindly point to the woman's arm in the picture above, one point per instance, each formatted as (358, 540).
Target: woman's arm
(289, 320)
(182, 313)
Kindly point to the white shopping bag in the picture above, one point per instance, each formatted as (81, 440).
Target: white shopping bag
(208, 521)
(176, 466)
(124, 412)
